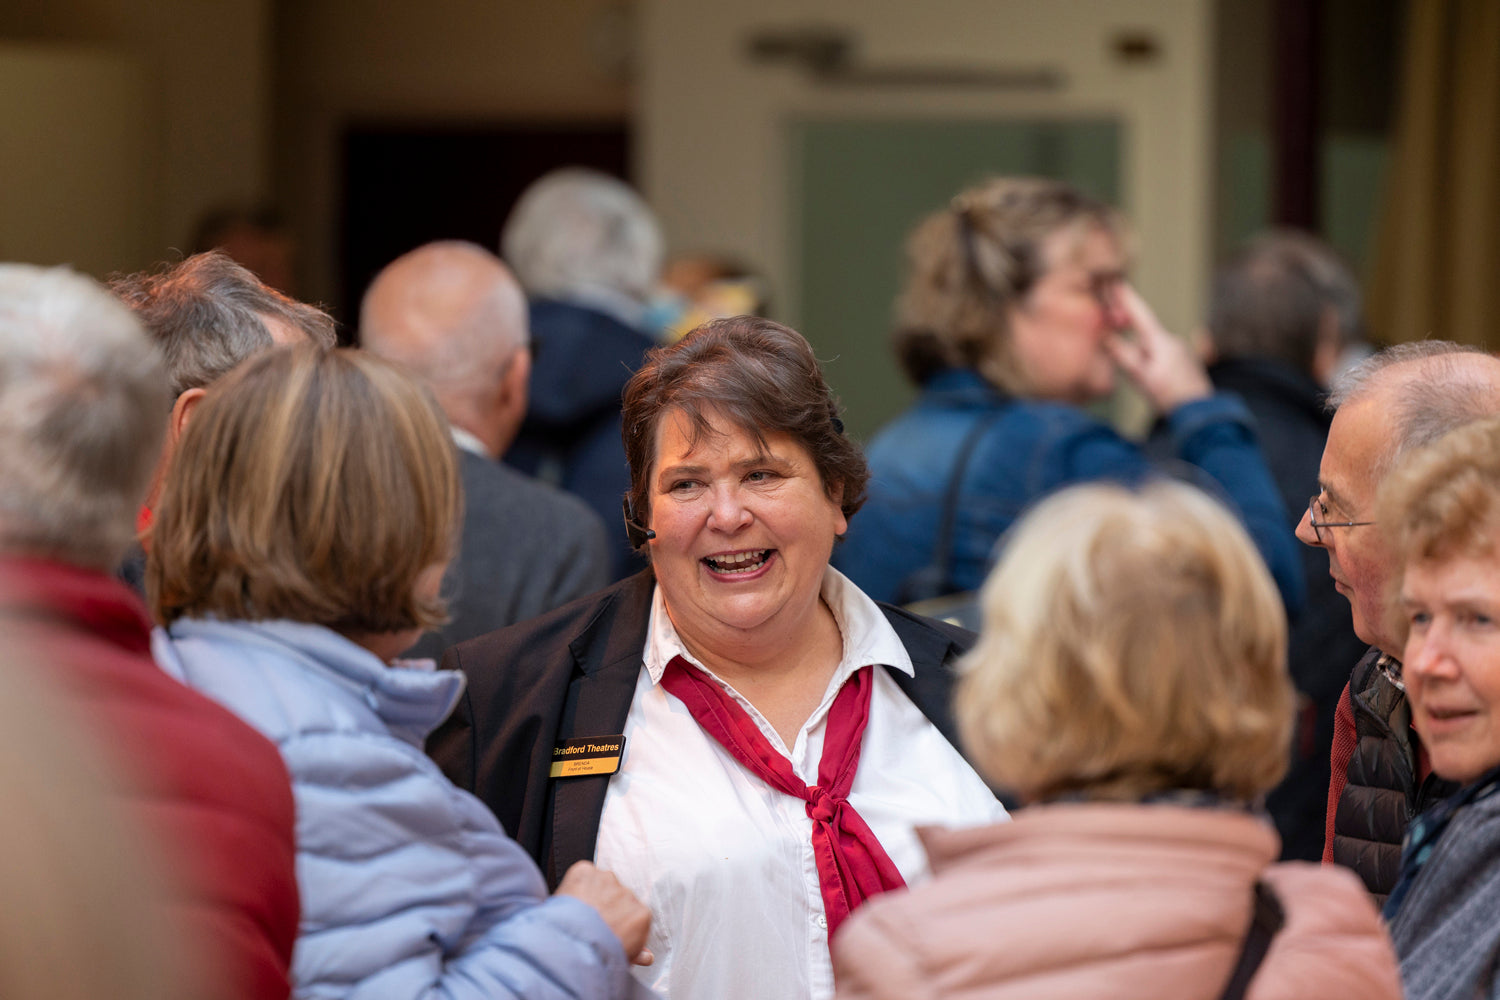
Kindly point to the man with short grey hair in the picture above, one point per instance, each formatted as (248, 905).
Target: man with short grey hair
(588, 251)
(207, 314)
(1387, 405)
(451, 313)
(82, 396)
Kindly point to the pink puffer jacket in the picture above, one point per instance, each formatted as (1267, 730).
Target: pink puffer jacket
(1112, 900)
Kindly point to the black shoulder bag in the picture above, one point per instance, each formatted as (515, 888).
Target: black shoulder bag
(936, 578)
(1267, 919)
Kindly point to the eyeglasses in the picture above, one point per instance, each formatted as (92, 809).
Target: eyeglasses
(1313, 506)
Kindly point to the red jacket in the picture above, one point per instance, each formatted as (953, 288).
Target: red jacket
(211, 791)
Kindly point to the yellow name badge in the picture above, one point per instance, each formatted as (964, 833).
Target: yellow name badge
(590, 755)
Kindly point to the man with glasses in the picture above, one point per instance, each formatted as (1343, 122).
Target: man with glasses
(1399, 399)
(1283, 311)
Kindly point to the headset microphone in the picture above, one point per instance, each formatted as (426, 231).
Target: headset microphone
(637, 533)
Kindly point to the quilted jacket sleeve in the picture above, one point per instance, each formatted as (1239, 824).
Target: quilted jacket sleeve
(873, 959)
(412, 890)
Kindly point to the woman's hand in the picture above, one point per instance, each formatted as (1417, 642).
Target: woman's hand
(625, 915)
(1161, 365)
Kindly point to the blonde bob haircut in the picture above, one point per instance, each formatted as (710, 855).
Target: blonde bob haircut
(1133, 643)
(313, 485)
(1442, 501)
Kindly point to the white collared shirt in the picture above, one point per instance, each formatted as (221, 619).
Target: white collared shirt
(468, 442)
(724, 861)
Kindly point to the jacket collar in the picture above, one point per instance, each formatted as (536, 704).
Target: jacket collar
(961, 387)
(1248, 376)
(604, 642)
(410, 696)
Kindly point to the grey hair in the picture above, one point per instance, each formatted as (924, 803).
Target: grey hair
(1266, 305)
(1450, 391)
(1336, 284)
(205, 313)
(580, 231)
(83, 410)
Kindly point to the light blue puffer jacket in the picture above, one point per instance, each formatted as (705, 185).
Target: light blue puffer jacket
(409, 886)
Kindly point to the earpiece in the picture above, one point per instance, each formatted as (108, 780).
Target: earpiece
(637, 533)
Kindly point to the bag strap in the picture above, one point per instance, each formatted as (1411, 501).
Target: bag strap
(1267, 918)
(935, 579)
(942, 553)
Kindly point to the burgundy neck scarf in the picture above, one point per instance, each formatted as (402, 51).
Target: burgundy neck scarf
(852, 866)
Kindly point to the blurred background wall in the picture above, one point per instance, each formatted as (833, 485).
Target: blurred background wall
(800, 136)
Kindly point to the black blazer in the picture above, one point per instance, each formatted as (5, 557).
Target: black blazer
(571, 674)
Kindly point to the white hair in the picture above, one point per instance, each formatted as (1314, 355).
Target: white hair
(83, 409)
(1445, 386)
(579, 232)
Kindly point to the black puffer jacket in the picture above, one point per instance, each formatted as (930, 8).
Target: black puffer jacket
(1382, 793)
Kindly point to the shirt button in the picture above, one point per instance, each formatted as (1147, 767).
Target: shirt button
(822, 921)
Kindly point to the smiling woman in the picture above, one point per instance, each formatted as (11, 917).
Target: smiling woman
(783, 733)
(743, 535)
(1443, 509)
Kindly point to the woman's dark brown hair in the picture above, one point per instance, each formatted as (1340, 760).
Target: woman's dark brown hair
(764, 378)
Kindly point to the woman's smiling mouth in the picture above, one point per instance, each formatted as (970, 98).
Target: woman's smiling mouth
(731, 563)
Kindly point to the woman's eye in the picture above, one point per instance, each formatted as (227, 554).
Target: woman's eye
(683, 486)
(758, 476)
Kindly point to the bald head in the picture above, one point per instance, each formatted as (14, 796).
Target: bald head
(453, 315)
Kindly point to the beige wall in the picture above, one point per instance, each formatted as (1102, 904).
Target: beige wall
(710, 153)
(81, 195)
(455, 61)
(712, 150)
(205, 71)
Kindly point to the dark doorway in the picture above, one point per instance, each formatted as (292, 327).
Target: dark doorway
(405, 185)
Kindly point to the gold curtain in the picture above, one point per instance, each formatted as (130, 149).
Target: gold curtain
(1436, 270)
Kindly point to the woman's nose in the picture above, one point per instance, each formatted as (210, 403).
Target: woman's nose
(727, 511)
(1429, 655)
(1112, 304)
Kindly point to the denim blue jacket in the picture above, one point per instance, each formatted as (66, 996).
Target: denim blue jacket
(1029, 449)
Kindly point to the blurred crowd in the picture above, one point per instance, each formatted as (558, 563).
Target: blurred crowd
(559, 641)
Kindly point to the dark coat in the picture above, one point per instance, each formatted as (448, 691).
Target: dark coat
(1291, 426)
(572, 674)
(1383, 790)
(571, 434)
(526, 548)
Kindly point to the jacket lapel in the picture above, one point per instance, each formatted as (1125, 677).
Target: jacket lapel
(932, 651)
(607, 663)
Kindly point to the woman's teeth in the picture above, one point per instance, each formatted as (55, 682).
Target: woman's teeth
(739, 562)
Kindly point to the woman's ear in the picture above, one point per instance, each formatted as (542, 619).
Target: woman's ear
(835, 491)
